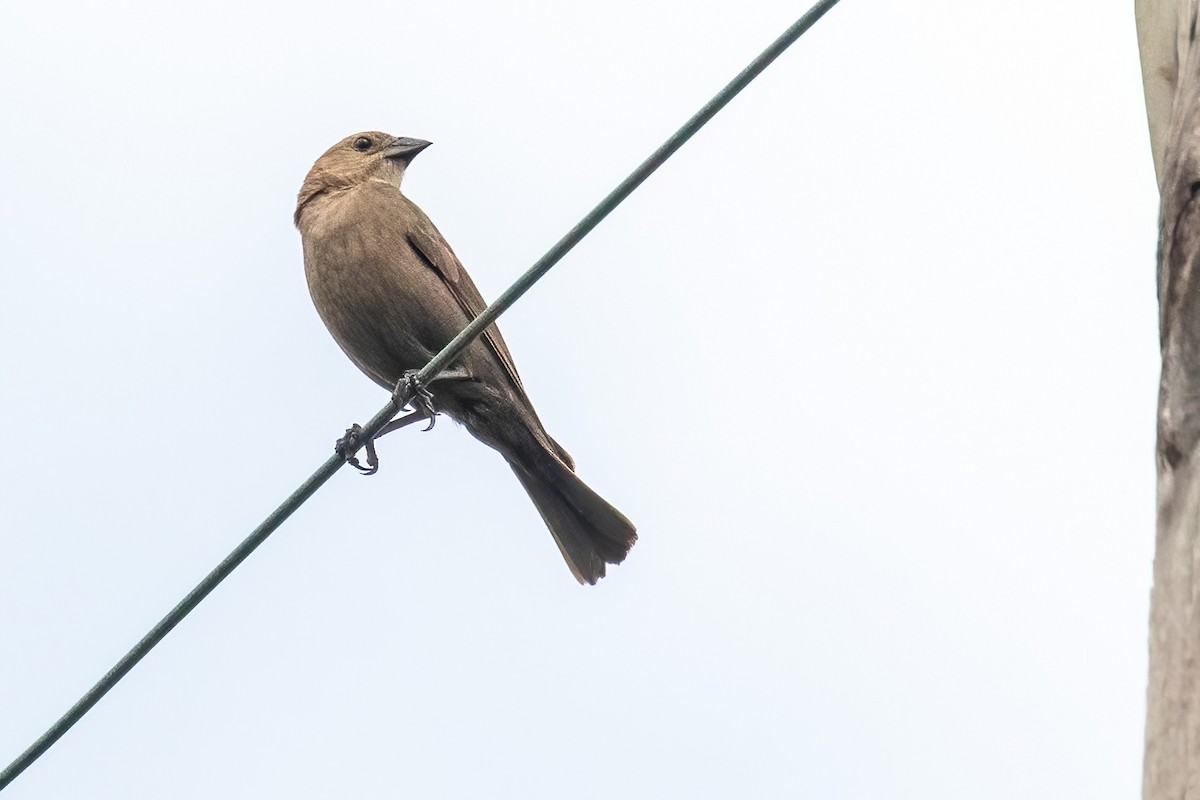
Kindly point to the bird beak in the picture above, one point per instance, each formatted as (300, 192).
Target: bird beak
(405, 148)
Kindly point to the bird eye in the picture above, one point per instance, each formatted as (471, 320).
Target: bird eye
(362, 143)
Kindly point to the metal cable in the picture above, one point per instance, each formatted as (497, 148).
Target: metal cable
(427, 374)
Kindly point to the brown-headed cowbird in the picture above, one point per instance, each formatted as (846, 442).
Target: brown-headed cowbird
(392, 293)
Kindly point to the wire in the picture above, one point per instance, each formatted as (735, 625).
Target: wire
(624, 189)
(427, 373)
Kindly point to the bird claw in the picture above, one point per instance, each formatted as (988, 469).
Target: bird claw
(348, 445)
(420, 400)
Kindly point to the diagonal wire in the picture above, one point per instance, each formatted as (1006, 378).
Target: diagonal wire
(427, 373)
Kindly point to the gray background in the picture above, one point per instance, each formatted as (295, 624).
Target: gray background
(871, 363)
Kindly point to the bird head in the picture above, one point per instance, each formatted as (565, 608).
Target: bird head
(361, 157)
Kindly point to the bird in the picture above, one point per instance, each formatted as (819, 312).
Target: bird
(392, 293)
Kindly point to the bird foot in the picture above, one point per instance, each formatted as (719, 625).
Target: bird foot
(348, 445)
(420, 398)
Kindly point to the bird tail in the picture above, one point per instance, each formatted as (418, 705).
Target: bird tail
(588, 531)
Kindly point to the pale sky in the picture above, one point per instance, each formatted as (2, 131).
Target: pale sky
(871, 363)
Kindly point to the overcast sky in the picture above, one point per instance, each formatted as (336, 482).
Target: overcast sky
(871, 364)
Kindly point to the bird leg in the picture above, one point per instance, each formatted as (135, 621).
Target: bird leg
(401, 422)
(422, 405)
(349, 444)
(346, 446)
(421, 399)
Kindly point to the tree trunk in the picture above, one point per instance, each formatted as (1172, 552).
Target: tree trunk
(1171, 73)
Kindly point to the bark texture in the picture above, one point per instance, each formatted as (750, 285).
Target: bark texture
(1171, 73)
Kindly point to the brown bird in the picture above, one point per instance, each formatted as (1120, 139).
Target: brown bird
(392, 293)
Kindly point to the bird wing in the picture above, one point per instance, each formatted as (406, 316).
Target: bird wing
(429, 244)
